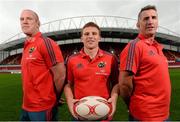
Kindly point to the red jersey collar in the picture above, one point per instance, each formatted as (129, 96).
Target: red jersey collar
(99, 54)
(37, 35)
(27, 42)
(147, 41)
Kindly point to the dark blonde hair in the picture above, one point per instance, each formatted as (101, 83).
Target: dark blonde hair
(148, 7)
(91, 24)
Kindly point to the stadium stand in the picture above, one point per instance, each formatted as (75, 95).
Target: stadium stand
(12, 63)
(12, 60)
(10, 69)
(170, 57)
(116, 33)
(70, 49)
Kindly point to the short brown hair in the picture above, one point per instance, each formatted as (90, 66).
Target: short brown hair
(91, 24)
(148, 7)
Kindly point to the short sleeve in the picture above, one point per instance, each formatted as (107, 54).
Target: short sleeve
(51, 52)
(130, 57)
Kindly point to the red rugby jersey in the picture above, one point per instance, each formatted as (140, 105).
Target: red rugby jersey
(92, 77)
(152, 89)
(39, 55)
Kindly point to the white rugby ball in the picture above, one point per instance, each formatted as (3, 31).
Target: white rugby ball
(92, 108)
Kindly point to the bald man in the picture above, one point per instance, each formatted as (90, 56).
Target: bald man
(43, 71)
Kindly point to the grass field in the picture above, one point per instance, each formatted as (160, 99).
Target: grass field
(11, 98)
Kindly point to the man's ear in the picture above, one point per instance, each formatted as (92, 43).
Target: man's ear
(81, 39)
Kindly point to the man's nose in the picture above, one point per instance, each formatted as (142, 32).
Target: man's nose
(90, 35)
(150, 20)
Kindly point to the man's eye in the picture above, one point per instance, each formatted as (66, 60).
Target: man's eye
(154, 17)
(29, 18)
(94, 33)
(146, 18)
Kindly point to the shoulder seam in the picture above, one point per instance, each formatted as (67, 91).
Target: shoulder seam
(50, 50)
(108, 53)
(74, 55)
(131, 53)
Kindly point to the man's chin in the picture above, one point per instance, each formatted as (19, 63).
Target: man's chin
(150, 34)
(90, 46)
(27, 33)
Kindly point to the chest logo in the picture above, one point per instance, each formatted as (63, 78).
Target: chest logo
(31, 50)
(79, 66)
(151, 53)
(101, 64)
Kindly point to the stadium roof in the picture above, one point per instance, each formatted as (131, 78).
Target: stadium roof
(111, 26)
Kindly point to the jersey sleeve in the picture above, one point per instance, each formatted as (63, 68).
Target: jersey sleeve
(130, 57)
(51, 52)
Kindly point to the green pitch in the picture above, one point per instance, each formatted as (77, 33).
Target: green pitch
(11, 98)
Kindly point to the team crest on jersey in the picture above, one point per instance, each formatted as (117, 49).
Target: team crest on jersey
(31, 50)
(101, 64)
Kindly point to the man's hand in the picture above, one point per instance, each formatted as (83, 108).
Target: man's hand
(71, 108)
(112, 101)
